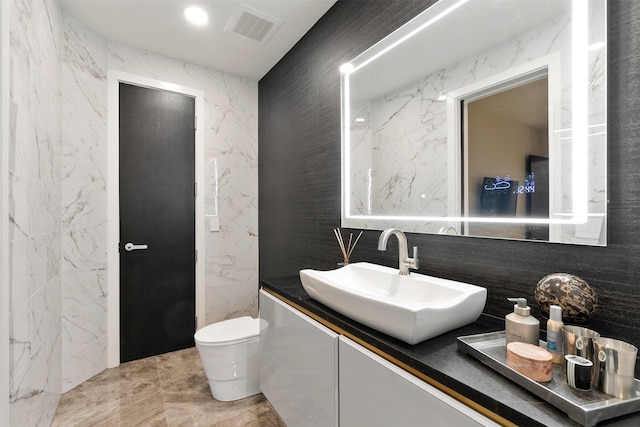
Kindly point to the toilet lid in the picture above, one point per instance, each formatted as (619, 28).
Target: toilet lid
(229, 331)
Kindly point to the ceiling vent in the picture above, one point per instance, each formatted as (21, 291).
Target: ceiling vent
(252, 24)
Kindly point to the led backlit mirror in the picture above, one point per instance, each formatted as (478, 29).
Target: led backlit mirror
(481, 119)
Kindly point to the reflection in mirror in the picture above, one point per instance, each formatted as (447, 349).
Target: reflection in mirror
(506, 156)
(436, 121)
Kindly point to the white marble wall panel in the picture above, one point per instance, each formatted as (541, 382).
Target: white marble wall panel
(35, 280)
(232, 253)
(84, 204)
(84, 333)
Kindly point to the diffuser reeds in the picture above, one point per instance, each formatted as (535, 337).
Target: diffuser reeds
(346, 250)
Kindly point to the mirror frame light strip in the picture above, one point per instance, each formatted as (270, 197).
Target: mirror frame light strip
(580, 107)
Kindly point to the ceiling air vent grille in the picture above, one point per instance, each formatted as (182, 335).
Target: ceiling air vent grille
(252, 24)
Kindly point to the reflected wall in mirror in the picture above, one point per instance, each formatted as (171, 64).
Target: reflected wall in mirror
(433, 114)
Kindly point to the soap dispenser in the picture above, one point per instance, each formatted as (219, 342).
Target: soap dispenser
(520, 325)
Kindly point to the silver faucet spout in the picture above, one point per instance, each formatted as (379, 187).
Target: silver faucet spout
(404, 262)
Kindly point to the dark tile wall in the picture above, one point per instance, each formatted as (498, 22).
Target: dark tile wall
(299, 175)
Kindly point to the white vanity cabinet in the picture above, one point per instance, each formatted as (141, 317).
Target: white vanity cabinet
(315, 377)
(375, 392)
(298, 365)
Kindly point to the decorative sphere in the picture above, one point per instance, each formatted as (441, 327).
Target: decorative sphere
(578, 300)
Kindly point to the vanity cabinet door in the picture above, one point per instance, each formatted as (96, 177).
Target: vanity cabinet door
(298, 365)
(374, 392)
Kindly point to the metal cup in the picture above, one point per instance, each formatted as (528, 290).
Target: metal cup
(578, 341)
(614, 365)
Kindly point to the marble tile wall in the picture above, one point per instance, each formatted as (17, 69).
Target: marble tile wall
(84, 204)
(231, 192)
(35, 277)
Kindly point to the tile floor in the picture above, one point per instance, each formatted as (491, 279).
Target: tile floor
(166, 390)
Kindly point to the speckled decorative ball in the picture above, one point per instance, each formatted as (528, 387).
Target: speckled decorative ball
(578, 300)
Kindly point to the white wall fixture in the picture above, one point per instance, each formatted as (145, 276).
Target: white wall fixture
(35, 262)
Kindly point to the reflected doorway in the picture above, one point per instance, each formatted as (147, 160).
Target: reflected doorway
(506, 157)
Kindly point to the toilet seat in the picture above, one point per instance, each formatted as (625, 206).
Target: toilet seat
(227, 332)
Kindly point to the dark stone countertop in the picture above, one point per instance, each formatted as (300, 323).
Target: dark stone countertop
(440, 359)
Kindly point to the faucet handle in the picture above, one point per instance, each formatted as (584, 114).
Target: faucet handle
(415, 262)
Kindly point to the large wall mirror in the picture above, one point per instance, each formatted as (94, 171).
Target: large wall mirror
(481, 118)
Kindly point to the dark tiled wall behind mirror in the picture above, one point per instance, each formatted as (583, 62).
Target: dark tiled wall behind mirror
(299, 173)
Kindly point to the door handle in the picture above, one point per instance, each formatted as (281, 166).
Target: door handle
(131, 247)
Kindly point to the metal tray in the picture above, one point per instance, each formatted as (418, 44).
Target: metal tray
(586, 407)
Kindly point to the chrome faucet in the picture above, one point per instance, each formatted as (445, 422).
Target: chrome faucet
(404, 262)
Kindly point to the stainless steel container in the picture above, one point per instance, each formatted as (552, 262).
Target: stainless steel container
(578, 341)
(614, 366)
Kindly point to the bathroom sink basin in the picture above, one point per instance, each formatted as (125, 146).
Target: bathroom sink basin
(411, 308)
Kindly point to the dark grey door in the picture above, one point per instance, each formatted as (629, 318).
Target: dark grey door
(157, 221)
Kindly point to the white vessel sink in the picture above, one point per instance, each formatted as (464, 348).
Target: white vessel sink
(411, 308)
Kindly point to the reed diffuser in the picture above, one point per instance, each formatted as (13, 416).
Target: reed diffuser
(346, 250)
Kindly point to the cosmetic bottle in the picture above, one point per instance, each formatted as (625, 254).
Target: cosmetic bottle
(520, 325)
(554, 333)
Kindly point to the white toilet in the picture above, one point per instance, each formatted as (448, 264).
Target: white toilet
(229, 351)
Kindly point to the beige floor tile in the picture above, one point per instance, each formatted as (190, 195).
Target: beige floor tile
(182, 372)
(166, 390)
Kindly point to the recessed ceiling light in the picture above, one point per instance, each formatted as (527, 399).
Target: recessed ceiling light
(196, 16)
